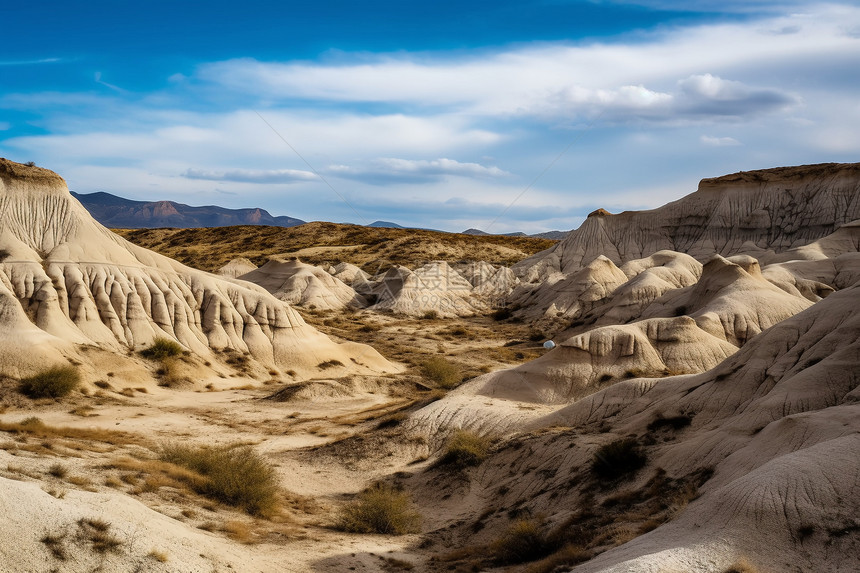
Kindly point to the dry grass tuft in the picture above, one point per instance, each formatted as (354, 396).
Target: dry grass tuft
(97, 533)
(36, 428)
(58, 470)
(465, 448)
(160, 556)
(618, 459)
(162, 348)
(54, 382)
(442, 371)
(380, 509)
(235, 475)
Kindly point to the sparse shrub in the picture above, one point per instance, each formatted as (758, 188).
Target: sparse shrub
(160, 556)
(681, 310)
(441, 371)
(162, 348)
(465, 448)
(4, 254)
(58, 470)
(55, 544)
(380, 509)
(235, 475)
(502, 314)
(30, 164)
(523, 541)
(97, 532)
(329, 364)
(618, 459)
(430, 315)
(54, 382)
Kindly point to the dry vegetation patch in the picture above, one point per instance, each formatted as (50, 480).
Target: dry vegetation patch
(54, 382)
(380, 509)
(371, 248)
(236, 475)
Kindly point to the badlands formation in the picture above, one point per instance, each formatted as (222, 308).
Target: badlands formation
(698, 412)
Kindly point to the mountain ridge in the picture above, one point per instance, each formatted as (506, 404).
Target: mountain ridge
(118, 212)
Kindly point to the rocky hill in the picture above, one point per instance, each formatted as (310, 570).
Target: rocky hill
(118, 212)
(66, 282)
(751, 212)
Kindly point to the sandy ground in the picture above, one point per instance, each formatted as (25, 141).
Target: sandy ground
(301, 436)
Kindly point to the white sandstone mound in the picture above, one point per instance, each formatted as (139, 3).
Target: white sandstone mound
(778, 422)
(774, 429)
(815, 270)
(476, 272)
(236, 268)
(349, 273)
(749, 212)
(434, 287)
(77, 283)
(686, 331)
(732, 300)
(571, 295)
(650, 278)
(301, 284)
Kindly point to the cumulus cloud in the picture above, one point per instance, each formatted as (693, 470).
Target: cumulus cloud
(252, 176)
(719, 141)
(710, 72)
(709, 95)
(389, 170)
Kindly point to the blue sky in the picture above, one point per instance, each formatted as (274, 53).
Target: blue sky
(499, 115)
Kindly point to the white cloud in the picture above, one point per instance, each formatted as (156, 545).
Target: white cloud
(785, 86)
(252, 175)
(719, 141)
(388, 170)
(693, 70)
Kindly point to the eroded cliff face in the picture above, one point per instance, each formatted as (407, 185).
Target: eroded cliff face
(750, 212)
(65, 280)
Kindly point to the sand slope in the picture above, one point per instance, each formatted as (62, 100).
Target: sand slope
(78, 282)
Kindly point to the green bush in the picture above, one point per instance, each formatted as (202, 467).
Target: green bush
(441, 371)
(618, 459)
(235, 475)
(54, 382)
(380, 509)
(162, 348)
(465, 448)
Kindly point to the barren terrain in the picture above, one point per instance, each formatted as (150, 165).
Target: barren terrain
(695, 408)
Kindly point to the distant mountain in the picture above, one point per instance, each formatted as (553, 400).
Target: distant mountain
(118, 212)
(552, 235)
(385, 224)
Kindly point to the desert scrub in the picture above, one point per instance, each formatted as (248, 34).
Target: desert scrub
(441, 371)
(162, 348)
(523, 541)
(235, 475)
(465, 448)
(618, 459)
(380, 509)
(54, 382)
